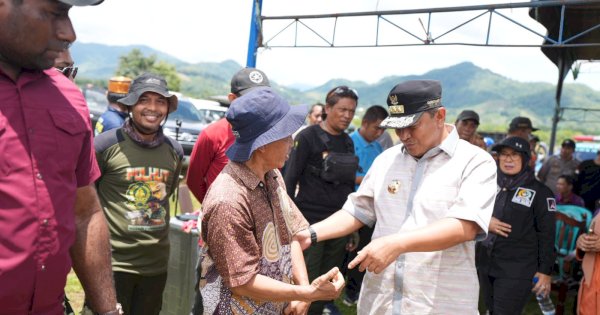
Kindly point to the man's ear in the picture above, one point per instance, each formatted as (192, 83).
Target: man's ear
(440, 115)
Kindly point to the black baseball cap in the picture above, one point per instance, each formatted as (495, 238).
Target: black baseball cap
(516, 143)
(468, 115)
(246, 79)
(568, 143)
(408, 100)
(522, 122)
(81, 3)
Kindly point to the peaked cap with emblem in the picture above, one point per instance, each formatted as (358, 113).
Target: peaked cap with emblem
(408, 100)
(149, 82)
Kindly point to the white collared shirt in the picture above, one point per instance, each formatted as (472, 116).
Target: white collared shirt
(399, 193)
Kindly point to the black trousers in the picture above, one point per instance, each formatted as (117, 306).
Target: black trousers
(504, 296)
(140, 295)
(355, 277)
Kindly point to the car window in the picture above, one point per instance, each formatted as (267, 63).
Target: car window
(187, 112)
(211, 115)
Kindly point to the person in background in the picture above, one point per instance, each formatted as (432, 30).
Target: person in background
(50, 217)
(563, 164)
(429, 199)
(367, 149)
(323, 166)
(564, 192)
(588, 181)
(251, 264)
(64, 63)
(466, 124)
(520, 127)
(140, 170)
(208, 156)
(116, 113)
(520, 243)
(315, 116)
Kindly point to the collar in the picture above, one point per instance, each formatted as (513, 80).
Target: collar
(27, 76)
(448, 145)
(248, 178)
(120, 113)
(363, 142)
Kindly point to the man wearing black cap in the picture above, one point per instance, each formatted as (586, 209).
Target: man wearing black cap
(556, 165)
(50, 218)
(466, 124)
(140, 170)
(520, 127)
(429, 199)
(208, 156)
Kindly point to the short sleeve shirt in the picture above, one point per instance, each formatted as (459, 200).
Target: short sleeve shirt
(365, 151)
(400, 193)
(46, 153)
(247, 227)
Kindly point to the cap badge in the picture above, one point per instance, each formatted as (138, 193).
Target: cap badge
(255, 77)
(393, 187)
(433, 102)
(236, 134)
(519, 145)
(394, 99)
(397, 109)
(153, 81)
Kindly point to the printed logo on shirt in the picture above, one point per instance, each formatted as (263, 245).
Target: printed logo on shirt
(524, 196)
(146, 198)
(551, 204)
(393, 186)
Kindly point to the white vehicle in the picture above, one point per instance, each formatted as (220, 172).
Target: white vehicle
(211, 110)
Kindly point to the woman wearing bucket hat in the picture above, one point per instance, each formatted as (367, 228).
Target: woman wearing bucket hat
(520, 243)
(249, 260)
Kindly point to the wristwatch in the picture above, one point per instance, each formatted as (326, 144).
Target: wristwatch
(313, 235)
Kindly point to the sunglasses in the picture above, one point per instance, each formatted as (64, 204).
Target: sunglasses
(69, 72)
(344, 91)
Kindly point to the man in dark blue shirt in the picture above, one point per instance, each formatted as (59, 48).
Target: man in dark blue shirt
(115, 115)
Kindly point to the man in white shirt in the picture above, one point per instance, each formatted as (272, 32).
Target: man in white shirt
(429, 199)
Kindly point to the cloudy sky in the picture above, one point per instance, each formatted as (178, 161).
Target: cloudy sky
(214, 31)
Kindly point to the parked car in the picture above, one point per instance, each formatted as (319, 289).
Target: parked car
(210, 110)
(97, 103)
(185, 124)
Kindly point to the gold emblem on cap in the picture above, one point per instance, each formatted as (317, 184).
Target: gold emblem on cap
(394, 99)
(433, 102)
(397, 109)
(393, 187)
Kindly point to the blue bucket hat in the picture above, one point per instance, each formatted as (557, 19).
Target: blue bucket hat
(260, 117)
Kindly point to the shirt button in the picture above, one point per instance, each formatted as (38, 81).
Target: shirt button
(503, 189)
(38, 175)
(45, 221)
(43, 267)
(261, 184)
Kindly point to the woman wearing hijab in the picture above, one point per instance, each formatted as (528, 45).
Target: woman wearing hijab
(520, 243)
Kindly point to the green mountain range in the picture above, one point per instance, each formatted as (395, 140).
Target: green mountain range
(496, 98)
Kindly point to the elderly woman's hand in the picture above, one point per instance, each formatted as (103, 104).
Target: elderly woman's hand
(589, 242)
(499, 227)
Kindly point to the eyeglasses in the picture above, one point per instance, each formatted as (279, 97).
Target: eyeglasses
(69, 72)
(506, 155)
(344, 91)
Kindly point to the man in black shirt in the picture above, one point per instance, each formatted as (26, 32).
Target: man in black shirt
(323, 166)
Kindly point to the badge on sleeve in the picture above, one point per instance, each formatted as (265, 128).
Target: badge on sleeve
(524, 196)
(551, 204)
